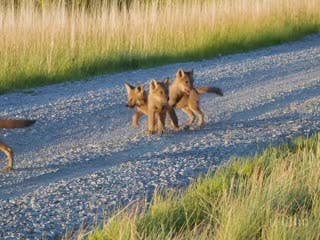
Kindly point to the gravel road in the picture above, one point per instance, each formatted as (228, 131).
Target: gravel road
(82, 158)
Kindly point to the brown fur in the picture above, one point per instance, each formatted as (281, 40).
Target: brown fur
(157, 105)
(137, 97)
(183, 95)
(12, 123)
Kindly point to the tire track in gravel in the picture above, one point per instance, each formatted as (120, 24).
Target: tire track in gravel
(82, 157)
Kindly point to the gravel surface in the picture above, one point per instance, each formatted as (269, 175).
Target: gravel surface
(82, 158)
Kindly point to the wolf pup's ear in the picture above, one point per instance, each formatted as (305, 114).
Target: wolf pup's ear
(167, 82)
(180, 73)
(153, 84)
(128, 87)
(140, 88)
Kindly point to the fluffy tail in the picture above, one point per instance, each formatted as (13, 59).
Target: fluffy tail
(205, 89)
(15, 123)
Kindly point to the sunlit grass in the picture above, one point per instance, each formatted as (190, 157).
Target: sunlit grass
(58, 44)
(273, 196)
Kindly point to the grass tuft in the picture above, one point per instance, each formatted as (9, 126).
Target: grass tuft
(272, 196)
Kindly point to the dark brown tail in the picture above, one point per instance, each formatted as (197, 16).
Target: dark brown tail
(205, 89)
(15, 123)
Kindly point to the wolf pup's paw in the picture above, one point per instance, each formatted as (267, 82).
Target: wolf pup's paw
(161, 131)
(8, 169)
(151, 132)
(186, 127)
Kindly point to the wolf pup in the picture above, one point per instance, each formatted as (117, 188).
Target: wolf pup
(157, 105)
(12, 123)
(184, 96)
(138, 97)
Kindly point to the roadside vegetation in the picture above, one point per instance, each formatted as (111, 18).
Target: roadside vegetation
(275, 195)
(44, 42)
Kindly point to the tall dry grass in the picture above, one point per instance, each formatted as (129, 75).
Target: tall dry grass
(60, 43)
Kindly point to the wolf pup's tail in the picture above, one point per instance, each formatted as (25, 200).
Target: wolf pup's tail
(16, 123)
(205, 89)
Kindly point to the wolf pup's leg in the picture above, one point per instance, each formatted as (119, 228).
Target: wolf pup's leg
(9, 153)
(136, 118)
(151, 122)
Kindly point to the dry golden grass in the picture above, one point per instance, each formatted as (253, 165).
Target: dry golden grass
(57, 44)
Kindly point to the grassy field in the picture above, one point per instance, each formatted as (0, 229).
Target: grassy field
(58, 43)
(272, 196)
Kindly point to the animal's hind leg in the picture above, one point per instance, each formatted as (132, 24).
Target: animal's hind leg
(9, 153)
(200, 114)
(194, 106)
(191, 116)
